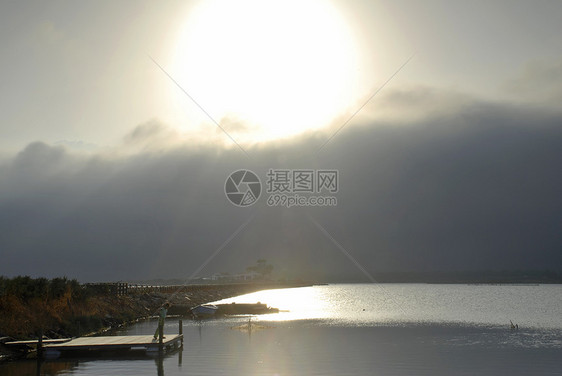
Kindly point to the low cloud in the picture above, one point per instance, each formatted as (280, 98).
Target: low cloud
(415, 103)
(539, 82)
(474, 187)
(150, 135)
(234, 125)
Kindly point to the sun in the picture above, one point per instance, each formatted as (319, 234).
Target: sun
(267, 69)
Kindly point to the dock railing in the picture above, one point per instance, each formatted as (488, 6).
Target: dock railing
(125, 288)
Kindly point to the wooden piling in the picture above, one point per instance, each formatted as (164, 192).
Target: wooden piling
(40, 344)
(160, 338)
(181, 330)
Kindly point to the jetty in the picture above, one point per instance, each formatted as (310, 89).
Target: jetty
(245, 309)
(216, 310)
(112, 345)
(104, 346)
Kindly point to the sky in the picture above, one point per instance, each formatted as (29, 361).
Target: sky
(121, 122)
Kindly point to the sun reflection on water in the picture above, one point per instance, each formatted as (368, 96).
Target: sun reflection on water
(302, 303)
(400, 304)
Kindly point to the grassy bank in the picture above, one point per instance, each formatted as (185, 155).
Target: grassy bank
(64, 308)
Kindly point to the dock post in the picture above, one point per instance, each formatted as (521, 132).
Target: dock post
(160, 338)
(40, 344)
(181, 330)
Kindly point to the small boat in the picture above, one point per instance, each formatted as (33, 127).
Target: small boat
(204, 310)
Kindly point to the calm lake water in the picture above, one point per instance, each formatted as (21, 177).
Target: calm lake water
(363, 329)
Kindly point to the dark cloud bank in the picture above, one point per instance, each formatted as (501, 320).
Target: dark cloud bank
(478, 189)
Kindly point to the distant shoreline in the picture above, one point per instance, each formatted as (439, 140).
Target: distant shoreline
(465, 277)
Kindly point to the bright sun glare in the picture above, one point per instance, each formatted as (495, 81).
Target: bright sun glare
(267, 69)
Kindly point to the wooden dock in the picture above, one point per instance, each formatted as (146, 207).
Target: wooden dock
(112, 345)
(104, 346)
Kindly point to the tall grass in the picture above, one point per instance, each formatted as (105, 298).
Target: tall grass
(58, 307)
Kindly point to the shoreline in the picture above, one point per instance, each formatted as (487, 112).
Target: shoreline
(111, 312)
